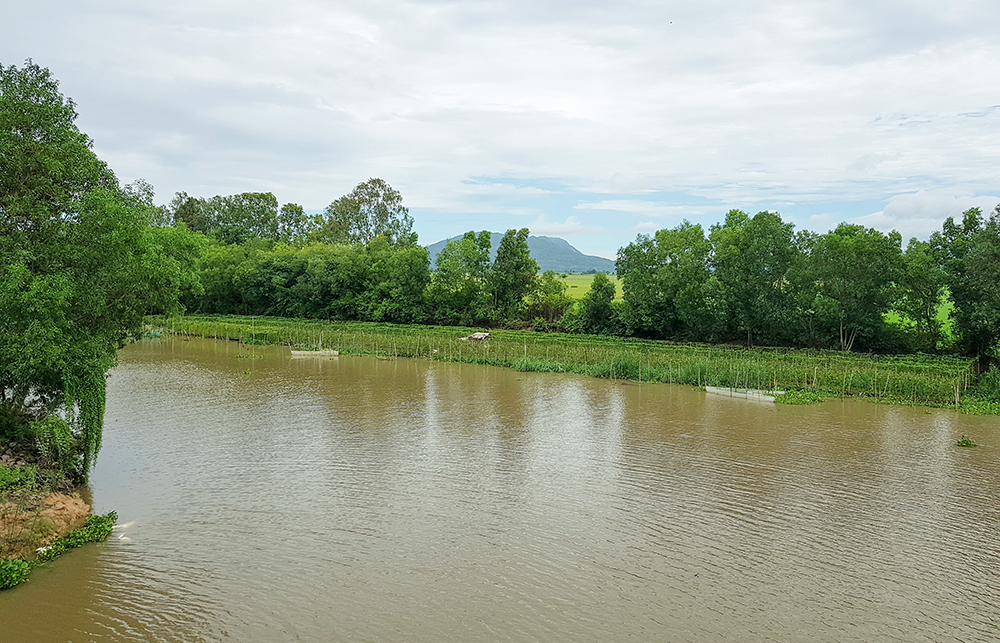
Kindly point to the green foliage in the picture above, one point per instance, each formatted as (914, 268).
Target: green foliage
(596, 311)
(18, 479)
(79, 267)
(965, 442)
(665, 284)
(95, 529)
(850, 276)
(372, 209)
(56, 443)
(922, 290)
(13, 572)
(513, 274)
(970, 254)
(14, 424)
(548, 300)
(237, 218)
(984, 397)
(459, 288)
(373, 282)
(752, 257)
(800, 396)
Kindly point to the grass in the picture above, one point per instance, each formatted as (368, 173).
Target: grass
(579, 285)
(906, 379)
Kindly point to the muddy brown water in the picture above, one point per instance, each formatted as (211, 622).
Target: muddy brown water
(356, 499)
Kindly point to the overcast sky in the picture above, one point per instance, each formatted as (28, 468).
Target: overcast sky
(593, 121)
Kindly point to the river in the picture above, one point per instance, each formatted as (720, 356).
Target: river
(361, 499)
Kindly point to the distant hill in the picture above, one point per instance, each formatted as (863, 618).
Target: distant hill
(551, 253)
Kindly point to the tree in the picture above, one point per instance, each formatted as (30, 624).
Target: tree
(751, 259)
(513, 273)
(970, 254)
(922, 289)
(664, 279)
(294, 225)
(189, 211)
(548, 300)
(459, 289)
(79, 264)
(851, 277)
(597, 312)
(371, 209)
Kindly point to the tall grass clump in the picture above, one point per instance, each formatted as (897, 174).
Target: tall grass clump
(984, 397)
(906, 379)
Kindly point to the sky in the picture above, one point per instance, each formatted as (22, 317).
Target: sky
(592, 121)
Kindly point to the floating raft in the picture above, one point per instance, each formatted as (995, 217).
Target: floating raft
(320, 353)
(746, 393)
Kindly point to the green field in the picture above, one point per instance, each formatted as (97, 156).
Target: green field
(903, 379)
(579, 285)
(943, 316)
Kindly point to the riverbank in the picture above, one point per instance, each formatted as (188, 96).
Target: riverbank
(806, 375)
(41, 515)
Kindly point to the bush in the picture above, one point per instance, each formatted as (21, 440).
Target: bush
(984, 397)
(18, 478)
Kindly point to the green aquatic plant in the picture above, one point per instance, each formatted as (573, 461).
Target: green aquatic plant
(800, 396)
(249, 357)
(965, 442)
(95, 529)
(13, 572)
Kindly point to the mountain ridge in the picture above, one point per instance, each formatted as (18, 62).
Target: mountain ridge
(551, 253)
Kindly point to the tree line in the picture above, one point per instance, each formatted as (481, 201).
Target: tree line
(751, 280)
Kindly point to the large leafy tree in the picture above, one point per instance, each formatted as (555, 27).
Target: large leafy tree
(970, 253)
(372, 209)
(459, 289)
(237, 218)
(751, 259)
(666, 281)
(513, 273)
(851, 276)
(923, 284)
(597, 313)
(79, 263)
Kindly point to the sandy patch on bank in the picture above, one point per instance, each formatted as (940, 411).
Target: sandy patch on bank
(23, 530)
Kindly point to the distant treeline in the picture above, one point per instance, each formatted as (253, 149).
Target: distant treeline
(751, 280)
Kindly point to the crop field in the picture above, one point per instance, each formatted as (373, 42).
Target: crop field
(579, 285)
(907, 379)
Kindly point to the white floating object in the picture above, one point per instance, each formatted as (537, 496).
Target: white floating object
(746, 393)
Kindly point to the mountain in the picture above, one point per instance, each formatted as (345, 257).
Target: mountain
(551, 253)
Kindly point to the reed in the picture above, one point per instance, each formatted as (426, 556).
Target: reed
(900, 379)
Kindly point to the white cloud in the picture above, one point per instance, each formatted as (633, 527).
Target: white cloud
(646, 227)
(646, 208)
(921, 213)
(570, 227)
(744, 103)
